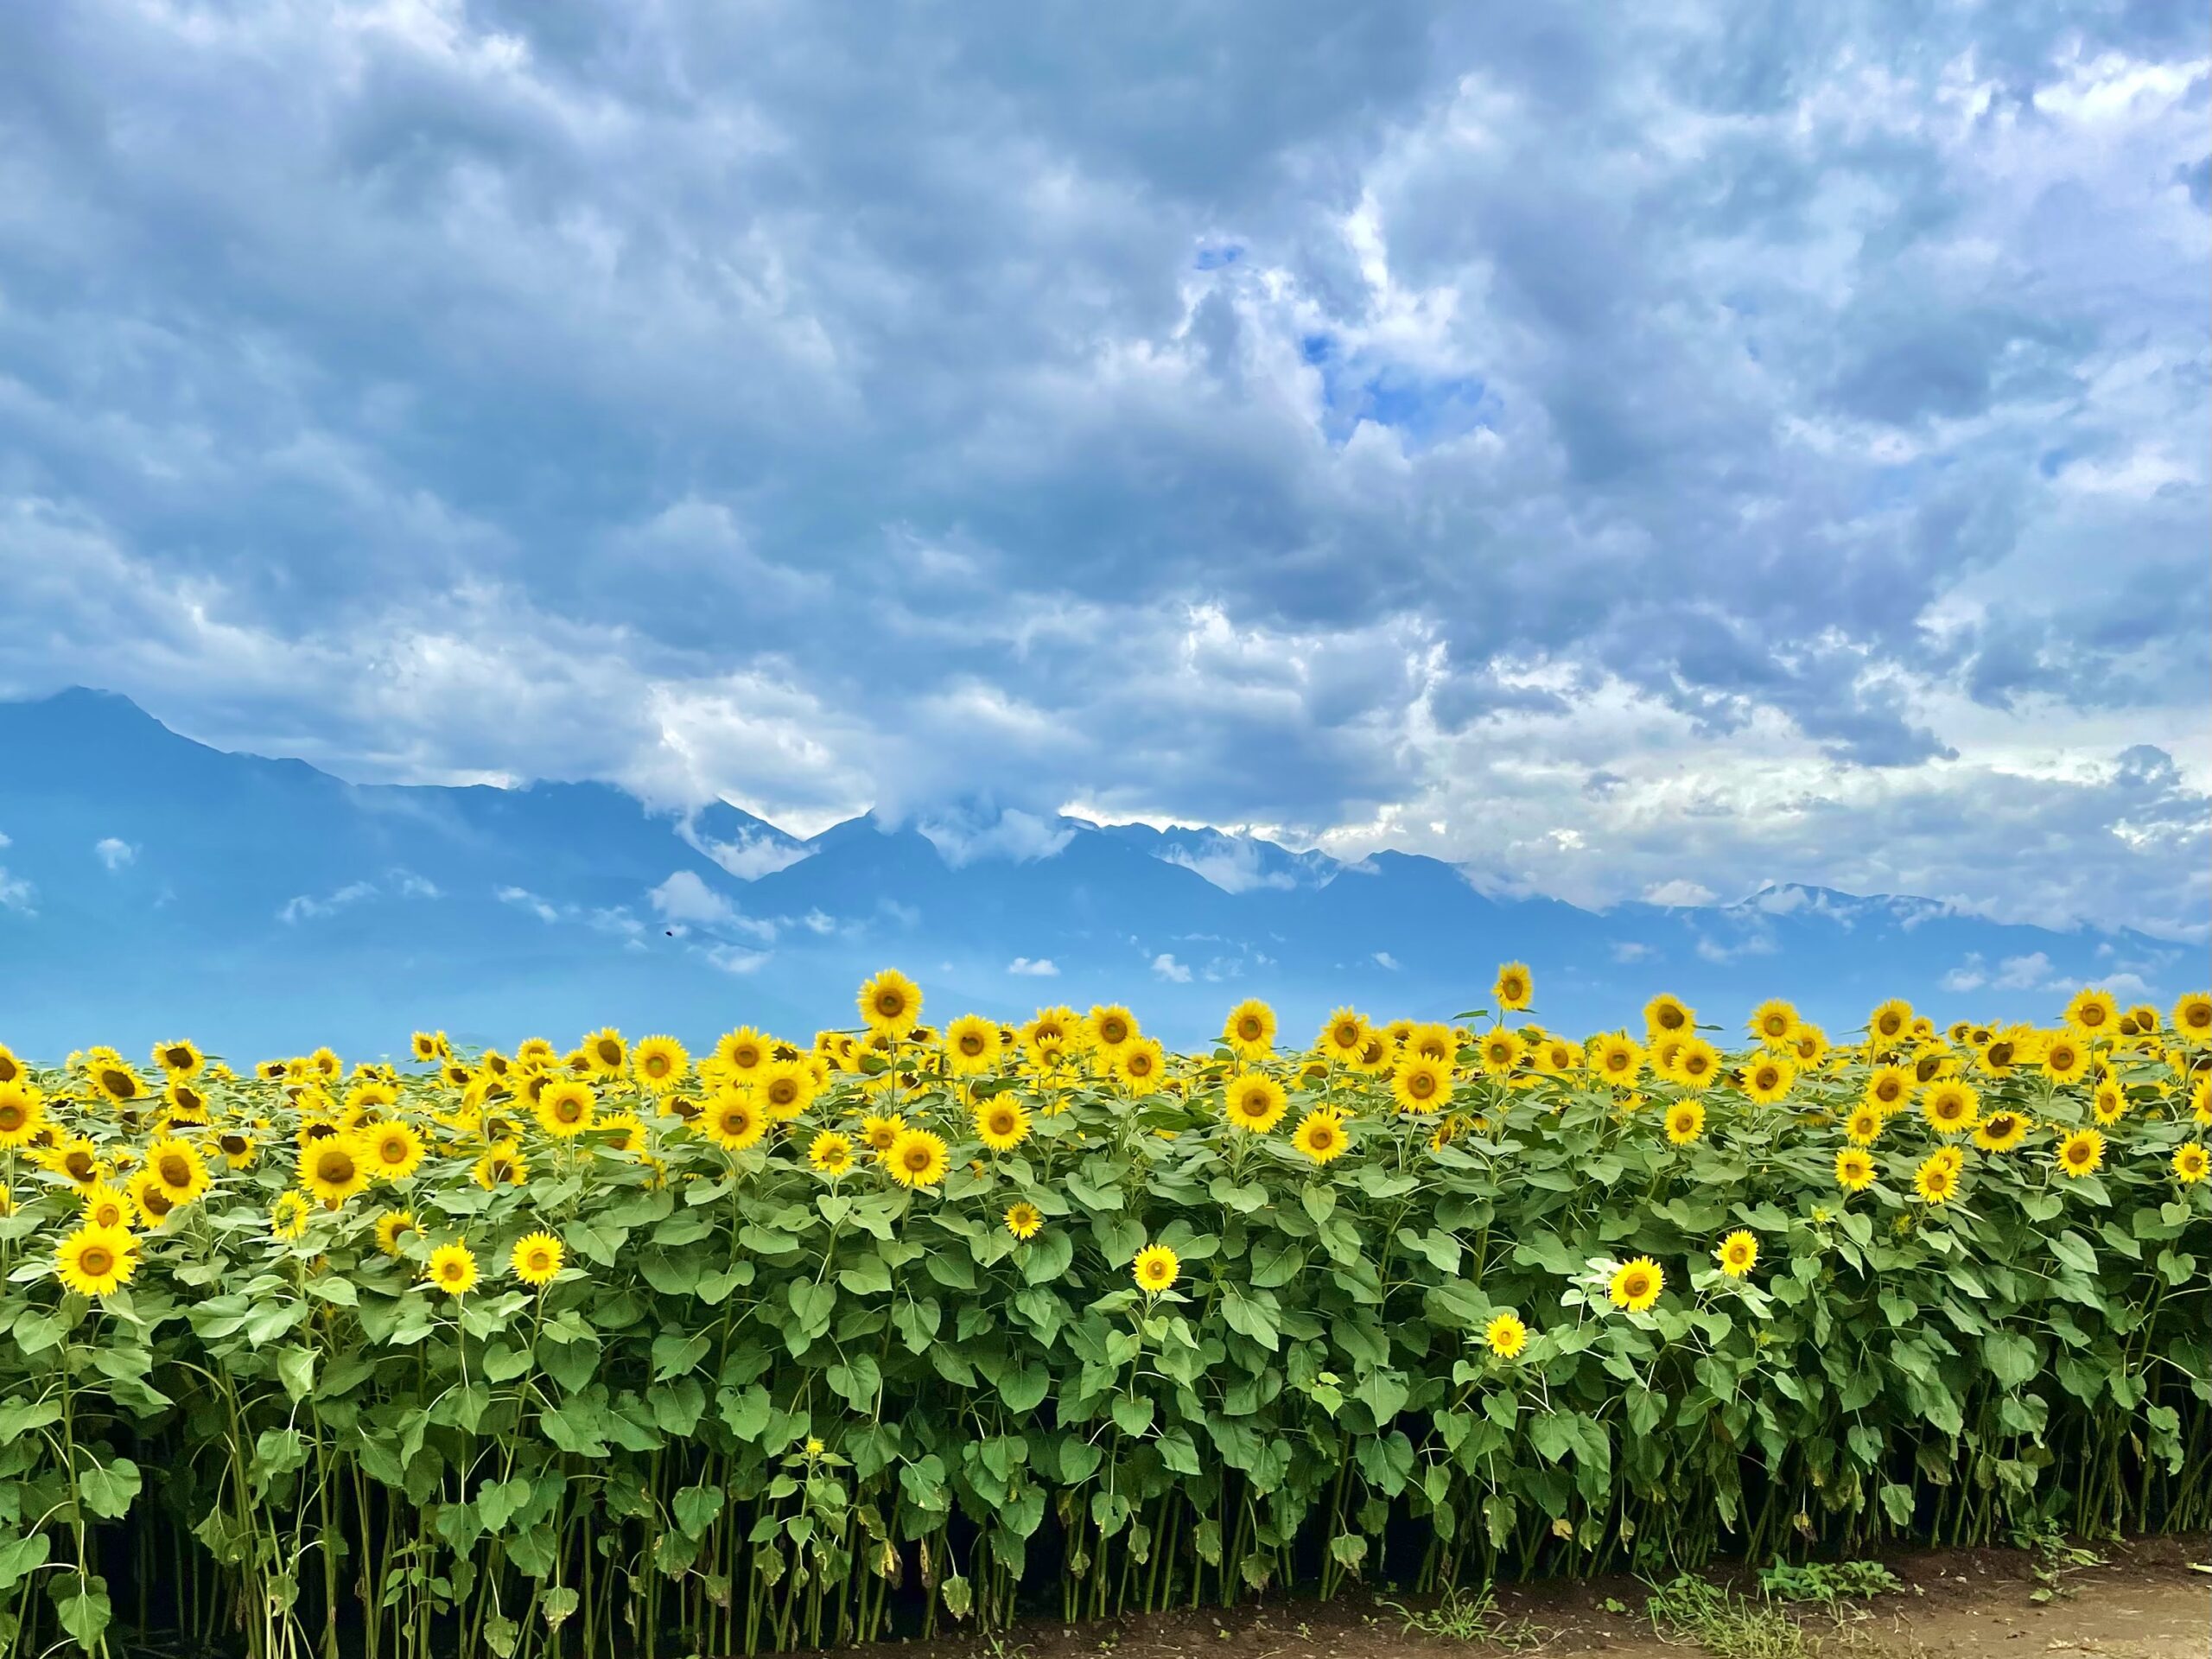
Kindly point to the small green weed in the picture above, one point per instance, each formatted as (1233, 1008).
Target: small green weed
(1469, 1616)
(1827, 1582)
(1724, 1624)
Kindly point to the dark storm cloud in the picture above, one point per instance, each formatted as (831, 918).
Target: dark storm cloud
(1252, 413)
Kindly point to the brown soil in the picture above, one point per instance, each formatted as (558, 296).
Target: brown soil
(2144, 1601)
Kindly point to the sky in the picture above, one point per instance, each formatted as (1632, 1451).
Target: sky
(1631, 452)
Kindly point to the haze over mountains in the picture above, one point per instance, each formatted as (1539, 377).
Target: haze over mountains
(152, 886)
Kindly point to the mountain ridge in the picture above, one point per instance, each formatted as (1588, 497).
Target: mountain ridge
(264, 902)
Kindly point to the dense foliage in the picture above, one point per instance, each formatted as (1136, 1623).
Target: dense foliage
(611, 1350)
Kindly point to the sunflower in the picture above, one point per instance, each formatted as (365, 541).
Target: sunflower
(1696, 1063)
(658, 1064)
(1810, 1046)
(11, 1069)
(1890, 1024)
(1774, 1022)
(1738, 1254)
(1320, 1135)
(1001, 1123)
(536, 1259)
(2081, 1152)
(183, 1104)
(734, 1122)
(607, 1051)
(334, 1169)
(1936, 1180)
(566, 1108)
(1635, 1285)
(626, 1133)
(1254, 1101)
(1024, 1220)
(2065, 1060)
(117, 1082)
(1499, 1051)
(742, 1052)
(880, 1132)
(971, 1045)
(1864, 1127)
(1616, 1058)
(2190, 1162)
(395, 1150)
(535, 1052)
(890, 1002)
(149, 1198)
(2108, 1103)
(76, 1159)
(179, 1167)
(2192, 1017)
(786, 1088)
(370, 1098)
(1950, 1107)
(1854, 1169)
(1110, 1026)
(430, 1045)
(1769, 1080)
(1513, 987)
(1343, 1036)
(1668, 1016)
(23, 1115)
(916, 1158)
(393, 1226)
(502, 1165)
(1420, 1084)
(96, 1261)
(1249, 1031)
(452, 1268)
(830, 1152)
(1156, 1268)
(179, 1059)
(1684, 1121)
(1141, 1065)
(1505, 1335)
(2001, 1131)
(2093, 1013)
(288, 1217)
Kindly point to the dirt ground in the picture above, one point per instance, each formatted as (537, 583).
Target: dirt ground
(2144, 1601)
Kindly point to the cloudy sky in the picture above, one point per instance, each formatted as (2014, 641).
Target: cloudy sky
(1640, 449)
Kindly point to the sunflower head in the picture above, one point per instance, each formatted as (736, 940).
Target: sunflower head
(288, 1217)
(1249, 1031)
(1254, 1103)
(1513, 987)
(890, 1002)
(1738, 1254)
(1684, 1121)
(830, 1152)
(1024, 1220)
(917, 1159)
(1001, 1123)
(1156, 1268)
(97, 1260)
(1320, 1135)
(1635, 1285)
(1505, 1335)
(536, 1259)
(1854, 1169)
(452, 1268)
(2081, 1152)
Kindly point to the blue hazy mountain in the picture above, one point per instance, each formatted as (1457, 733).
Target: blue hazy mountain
(151, 886)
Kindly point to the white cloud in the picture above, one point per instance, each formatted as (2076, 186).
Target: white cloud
(1231, 862)
(1034, 967)
(1384, 959)
(523, 898)
(305, 907)
(114, 852)
(1015, 836)
(684, 898)
(734, 959)
(16, 893)
(817, 921)
(2026, 973)
(1628, 950)
(411, 886)
(750, 855)
(1166, 966)
(1680, 893)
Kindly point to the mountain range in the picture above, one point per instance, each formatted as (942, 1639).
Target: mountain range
(151, 886)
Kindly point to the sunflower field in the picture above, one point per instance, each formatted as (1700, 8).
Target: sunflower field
(624, 1350)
